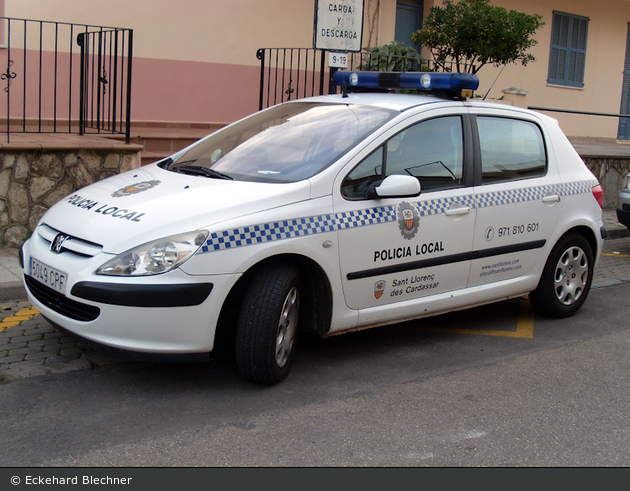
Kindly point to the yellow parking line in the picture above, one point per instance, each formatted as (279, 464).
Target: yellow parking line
(613, 254)
(524, 325)
(25, 314)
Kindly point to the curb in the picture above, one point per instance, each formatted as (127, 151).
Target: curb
(12, 291)
(618, 233)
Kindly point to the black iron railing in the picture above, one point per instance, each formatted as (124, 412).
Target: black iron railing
(65, 78)
(292, 73)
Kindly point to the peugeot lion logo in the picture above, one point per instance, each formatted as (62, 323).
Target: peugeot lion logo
(57, 243)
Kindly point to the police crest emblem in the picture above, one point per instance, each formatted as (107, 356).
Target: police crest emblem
(408, 220)
(134, 188)
(379, 288)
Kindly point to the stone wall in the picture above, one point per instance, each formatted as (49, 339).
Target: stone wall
(611, 174)
(31, 181)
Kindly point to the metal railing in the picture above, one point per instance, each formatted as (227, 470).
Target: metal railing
(292, 73)
(65, 78)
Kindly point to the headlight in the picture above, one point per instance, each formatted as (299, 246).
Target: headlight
(155, 257)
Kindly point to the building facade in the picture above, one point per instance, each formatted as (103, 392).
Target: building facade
(195, 61)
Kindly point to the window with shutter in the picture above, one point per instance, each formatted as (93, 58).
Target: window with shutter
(567, 57)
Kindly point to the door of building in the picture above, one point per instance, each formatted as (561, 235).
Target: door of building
(624, 122)
(408, 20)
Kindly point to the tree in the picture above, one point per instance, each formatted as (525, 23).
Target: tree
(472, 33)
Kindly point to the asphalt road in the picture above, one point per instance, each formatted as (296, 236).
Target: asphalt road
(493, 386)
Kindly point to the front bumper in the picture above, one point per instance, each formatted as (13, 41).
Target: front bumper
(173, 313)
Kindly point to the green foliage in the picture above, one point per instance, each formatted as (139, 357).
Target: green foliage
(472, 33)
(393, 57)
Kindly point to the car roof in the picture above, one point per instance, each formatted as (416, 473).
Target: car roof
(396, 102)
(403, 102)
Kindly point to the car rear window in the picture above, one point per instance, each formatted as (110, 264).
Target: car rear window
(510, 149)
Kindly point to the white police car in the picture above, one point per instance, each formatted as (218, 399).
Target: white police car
(328, 214)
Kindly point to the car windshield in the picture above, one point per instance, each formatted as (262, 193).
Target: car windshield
(286, 143)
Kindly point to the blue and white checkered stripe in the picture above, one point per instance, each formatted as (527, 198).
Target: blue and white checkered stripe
(497, 198)
(437, 206)
(299, 227)
(362, 218)
(580, 187)
(268, 232)
(314, 225)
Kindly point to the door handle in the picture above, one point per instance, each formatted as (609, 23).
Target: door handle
(553, 198)
(462, 210)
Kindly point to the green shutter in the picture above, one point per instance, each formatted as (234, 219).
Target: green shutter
(567, 56)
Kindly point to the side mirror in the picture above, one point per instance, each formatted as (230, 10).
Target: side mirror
(396, 186)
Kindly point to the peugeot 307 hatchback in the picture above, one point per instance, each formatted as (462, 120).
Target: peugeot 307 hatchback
(327, 214)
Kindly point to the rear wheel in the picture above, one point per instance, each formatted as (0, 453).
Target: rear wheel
(267, 325)
(566, 279)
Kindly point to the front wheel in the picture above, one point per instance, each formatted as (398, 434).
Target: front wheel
(267, 325)
(566, 278)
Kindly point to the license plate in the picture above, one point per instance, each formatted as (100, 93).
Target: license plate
(51, 277)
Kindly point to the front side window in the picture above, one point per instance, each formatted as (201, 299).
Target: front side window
(567, 57)
(286, 143)
(510, 149)
(432, 151)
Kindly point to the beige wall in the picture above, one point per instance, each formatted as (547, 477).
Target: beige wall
(220, 31)
(217, 31)
(606, 45)
(195, 60)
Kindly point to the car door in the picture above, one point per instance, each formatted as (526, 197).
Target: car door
(400, 249)
(517, 195)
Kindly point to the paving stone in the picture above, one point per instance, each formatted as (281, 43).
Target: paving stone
(53, 335)
(34, 332)
(60, 346)
(24, 351)
(16, 343)
(41, 342)
(37, 355)
(72, 352)
(32, 337)
(29, 362)
(11, 359)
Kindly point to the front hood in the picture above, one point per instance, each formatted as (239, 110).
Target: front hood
(144, 204)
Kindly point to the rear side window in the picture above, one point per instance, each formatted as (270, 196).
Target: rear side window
(510, 149)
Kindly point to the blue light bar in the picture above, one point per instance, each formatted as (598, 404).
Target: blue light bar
(408, 80)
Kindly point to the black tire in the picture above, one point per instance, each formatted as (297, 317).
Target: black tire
(566, 279)
(267, 325)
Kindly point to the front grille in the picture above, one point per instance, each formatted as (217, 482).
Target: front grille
(60, 303)
(74, 245)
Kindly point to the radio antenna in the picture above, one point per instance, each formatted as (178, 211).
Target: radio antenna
(495, 81)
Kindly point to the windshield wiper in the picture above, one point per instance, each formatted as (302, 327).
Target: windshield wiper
(201, 171)
(166, 163)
